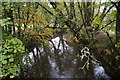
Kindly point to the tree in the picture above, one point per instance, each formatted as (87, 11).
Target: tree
(85, 20)
(36, 24)
(118, 22)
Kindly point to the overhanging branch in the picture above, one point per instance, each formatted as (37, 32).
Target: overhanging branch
(108, 24)
(44, 8)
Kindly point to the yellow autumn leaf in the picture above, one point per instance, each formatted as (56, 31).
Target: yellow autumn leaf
(12, 76)
(1, 75)
(108, 52)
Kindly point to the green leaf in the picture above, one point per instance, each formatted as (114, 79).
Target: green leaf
(4, 52)
(117, 57)
(11, 59)
(10, 50)
(15, 51)
(4, 57)
(9, 56)
(0, 48)
(119, 67)
(4, 62)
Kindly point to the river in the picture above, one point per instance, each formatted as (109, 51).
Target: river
(62, 60)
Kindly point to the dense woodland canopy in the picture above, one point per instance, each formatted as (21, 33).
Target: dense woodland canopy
(29, 25)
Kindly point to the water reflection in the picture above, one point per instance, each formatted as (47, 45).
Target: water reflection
(63, 62)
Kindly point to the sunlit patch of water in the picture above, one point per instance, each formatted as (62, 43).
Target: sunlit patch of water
(99, 73)
(57, 42)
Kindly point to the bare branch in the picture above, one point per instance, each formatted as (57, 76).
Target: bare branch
(44, 8)
(66, 8)
(106, 12)
(108, 24)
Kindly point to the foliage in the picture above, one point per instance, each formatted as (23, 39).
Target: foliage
(11, 56)
(118, 53)
(37, 37)
(118, 50)
(35, 23)
(118, 47)
(5, 22)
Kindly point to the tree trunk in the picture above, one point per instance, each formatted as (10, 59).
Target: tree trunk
(118, 23)
(10, 15)
(19, 28)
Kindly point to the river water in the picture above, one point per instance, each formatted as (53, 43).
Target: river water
(64, 62)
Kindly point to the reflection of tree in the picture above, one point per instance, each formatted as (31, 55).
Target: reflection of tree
(59, 52)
